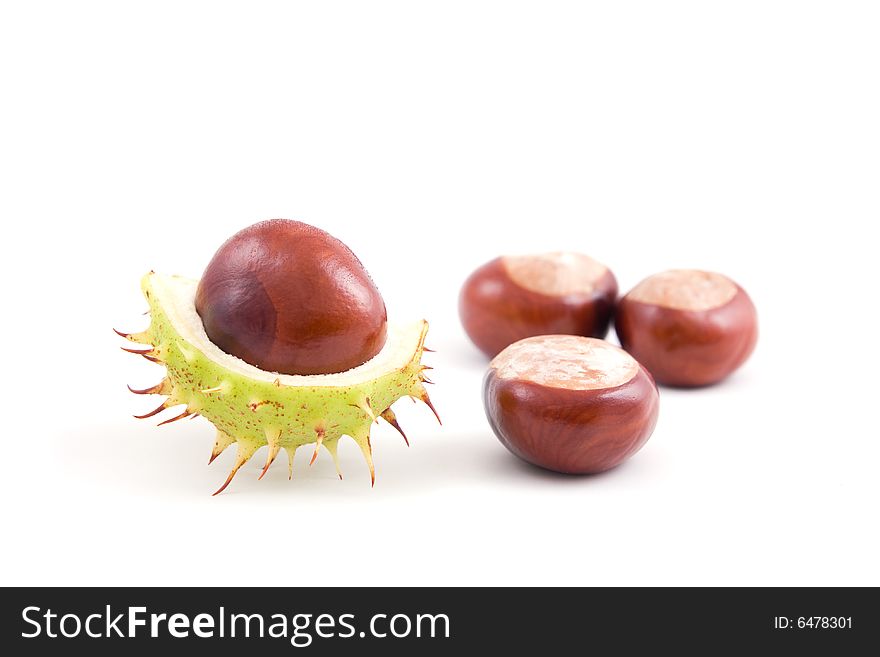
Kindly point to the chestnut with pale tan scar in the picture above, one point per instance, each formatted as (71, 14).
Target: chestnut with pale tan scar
(688, 327)
(570, 404)
(516, 297)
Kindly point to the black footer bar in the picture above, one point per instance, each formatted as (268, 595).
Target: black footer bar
(430, 621)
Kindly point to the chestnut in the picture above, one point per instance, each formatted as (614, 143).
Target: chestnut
(688, 327)
(287, 297)
(516, 297)
(570, 404)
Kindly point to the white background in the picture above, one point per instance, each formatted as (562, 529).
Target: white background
(740, 137)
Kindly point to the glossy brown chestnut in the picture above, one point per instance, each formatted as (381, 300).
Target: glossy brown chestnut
(570, 404)
(516, 297)
(288, 297)
(688, 327)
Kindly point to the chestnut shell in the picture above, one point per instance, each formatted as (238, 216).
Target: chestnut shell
(496, 311)
(572, 431)
(688, 348)
(290, 298)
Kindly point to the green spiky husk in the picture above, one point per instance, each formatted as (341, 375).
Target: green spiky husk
(273, 410)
